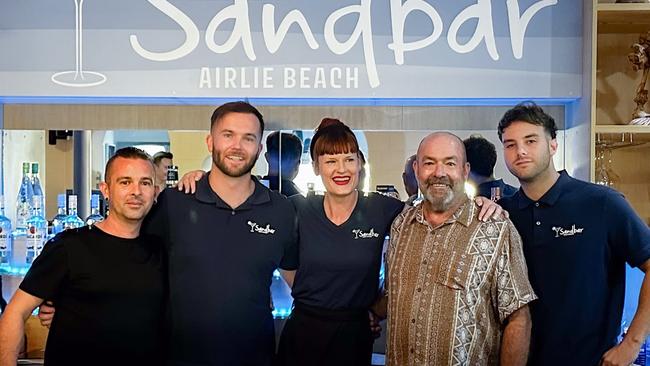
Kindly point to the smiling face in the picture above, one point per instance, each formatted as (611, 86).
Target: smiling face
(528, 150)
(130, 189)
(235, 143)
(339, 172)
(441, 171)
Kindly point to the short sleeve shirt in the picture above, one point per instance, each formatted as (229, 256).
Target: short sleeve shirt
(339, 264)
(577, 239)
(109, 297)
(221, 263)
(452, 287)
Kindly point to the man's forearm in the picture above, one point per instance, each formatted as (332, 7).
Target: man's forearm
(12, 328)
(516, 338)
(288, 277)
(640, 326)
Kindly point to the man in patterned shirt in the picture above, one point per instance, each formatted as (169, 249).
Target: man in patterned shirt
(457, 287)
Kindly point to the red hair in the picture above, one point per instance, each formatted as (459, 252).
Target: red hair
(332, 137)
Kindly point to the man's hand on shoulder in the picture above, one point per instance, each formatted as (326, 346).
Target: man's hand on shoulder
(188, 181)
(490, 209)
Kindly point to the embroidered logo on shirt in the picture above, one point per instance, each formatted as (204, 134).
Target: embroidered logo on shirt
(256, 228)
(559, 231)
(359, 234)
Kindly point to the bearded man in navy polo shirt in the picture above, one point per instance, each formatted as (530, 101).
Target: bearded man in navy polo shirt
(224, 242)
(577, 238)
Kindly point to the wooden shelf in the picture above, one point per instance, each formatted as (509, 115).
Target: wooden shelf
(621, 129)
(623, 18)
(623, 135)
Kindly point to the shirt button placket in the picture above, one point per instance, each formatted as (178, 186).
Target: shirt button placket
(538, 223)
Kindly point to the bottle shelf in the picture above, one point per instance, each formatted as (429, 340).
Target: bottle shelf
(621, 136)
(641, 130)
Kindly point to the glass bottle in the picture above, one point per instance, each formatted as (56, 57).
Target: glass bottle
(72, 221)
(5, 236)
(57, 221)
(24, 201)
(172, 176)
(36, 231)
(36, 187)
(495, 193)
(94, 211)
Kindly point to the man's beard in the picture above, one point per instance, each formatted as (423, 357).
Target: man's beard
(234, 173)
(438, 203)
(540, 166)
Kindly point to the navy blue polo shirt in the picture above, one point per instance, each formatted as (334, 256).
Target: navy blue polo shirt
(339, 264)
(221, 262)
(577, 239)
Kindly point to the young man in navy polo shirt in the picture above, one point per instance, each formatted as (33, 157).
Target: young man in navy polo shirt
(224, 242)
(577, 238)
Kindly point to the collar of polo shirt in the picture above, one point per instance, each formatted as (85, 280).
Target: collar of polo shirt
(549, 198)
(204, 193)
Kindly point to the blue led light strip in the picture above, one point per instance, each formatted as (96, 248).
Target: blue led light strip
(287, 101)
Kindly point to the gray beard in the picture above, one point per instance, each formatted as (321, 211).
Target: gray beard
(440, 204)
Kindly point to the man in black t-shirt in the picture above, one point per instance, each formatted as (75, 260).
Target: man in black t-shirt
(106, 281)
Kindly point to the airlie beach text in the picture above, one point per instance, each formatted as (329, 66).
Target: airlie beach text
(285, 77)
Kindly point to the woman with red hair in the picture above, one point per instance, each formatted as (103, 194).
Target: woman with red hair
(341, 239)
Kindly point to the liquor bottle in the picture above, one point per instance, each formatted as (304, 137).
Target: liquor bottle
(495, 193)
(57, 221)
(24, 201)
(36, 231)
(172, 176)
(5, 236)
(72, 221)
(36, 187)
(94, 211)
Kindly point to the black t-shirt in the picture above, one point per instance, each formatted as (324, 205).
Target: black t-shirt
(221, 263)
(339, 265)
(109, 298)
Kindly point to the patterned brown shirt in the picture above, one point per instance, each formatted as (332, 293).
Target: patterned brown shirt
(451, 288)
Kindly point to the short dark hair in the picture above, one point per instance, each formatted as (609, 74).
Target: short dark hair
(285, 145)
(527, 112)
(157, 157)
(236, 107)
(129, 152)
(481, 155)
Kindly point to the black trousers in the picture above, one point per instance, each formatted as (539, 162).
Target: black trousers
(315, 336)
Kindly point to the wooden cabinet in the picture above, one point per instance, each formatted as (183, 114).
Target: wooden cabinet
(621, 152)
